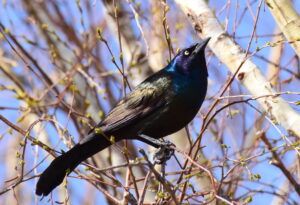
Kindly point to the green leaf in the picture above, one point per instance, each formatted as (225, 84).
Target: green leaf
(248, 200)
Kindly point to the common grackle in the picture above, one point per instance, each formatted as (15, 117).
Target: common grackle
(161, 105)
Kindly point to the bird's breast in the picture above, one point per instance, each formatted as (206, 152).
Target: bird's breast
(183, 104)
(188, 100)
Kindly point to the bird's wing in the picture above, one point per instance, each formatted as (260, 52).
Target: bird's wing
(142, 101)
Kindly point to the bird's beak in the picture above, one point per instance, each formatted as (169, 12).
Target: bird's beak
(201, 46)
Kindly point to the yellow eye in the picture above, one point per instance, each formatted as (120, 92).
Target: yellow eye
(186, 53)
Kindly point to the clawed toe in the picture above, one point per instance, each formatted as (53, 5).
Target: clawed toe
(164, 153)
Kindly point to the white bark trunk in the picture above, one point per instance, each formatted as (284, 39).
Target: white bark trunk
(232, 55)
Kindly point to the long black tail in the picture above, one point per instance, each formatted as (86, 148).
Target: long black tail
(67, 162)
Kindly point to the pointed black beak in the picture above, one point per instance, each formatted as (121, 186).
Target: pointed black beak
(201, 46)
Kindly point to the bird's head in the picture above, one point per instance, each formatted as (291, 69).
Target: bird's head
(190, 58)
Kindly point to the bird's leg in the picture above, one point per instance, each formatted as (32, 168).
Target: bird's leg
(150, 141)
(165, 148)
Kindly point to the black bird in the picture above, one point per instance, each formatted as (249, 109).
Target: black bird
(161, 105)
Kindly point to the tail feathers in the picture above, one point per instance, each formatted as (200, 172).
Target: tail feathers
(67, 162)
(56, 172)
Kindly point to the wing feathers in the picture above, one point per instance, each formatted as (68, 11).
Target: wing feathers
(144, 100)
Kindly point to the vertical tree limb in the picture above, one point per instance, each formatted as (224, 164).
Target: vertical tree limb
(288, 21)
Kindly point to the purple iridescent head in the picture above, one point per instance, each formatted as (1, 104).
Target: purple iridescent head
(190, 58)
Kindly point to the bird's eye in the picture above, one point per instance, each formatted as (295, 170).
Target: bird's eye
(186, 53)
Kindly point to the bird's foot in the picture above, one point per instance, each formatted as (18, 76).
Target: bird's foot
(164, 152)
